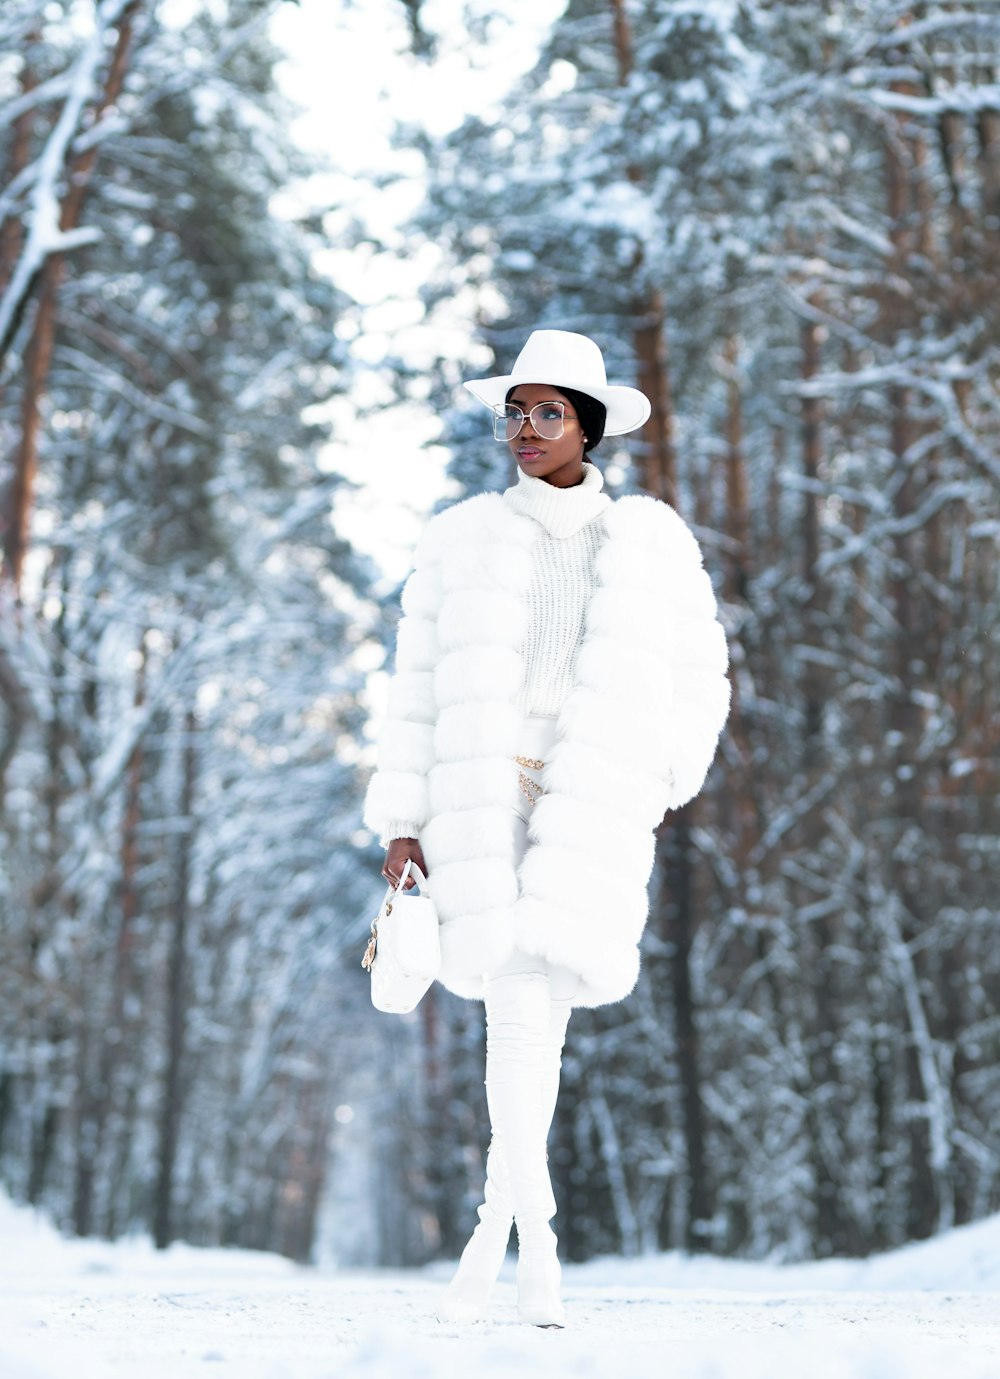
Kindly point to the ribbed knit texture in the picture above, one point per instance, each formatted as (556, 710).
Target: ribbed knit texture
(561, 511)
(561, 583)
(398, 828)
(562, 580)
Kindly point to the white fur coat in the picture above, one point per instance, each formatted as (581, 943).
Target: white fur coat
(635, 737)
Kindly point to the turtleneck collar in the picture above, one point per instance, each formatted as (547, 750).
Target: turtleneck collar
(561, 511)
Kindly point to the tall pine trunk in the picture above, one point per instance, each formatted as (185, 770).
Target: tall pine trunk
(172, 1097)
(41, 342)
(673, 916)
(931, 1178)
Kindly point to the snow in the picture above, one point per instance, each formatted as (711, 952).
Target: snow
(961, 96)
(72, 1309)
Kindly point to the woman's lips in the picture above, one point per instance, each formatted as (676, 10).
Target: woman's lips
(529, 453)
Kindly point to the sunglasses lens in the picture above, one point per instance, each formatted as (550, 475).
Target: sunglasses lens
(507, 422)
(547, 419)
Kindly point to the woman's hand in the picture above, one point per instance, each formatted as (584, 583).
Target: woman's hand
(395, 860)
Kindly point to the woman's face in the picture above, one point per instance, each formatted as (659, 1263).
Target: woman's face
(557, 462)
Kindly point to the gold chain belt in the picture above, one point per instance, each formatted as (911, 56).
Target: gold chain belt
(525, 782)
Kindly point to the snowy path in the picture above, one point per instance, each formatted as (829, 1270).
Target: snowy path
(87, 1310)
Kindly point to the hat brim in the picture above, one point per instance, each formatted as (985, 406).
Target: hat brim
(627, 408)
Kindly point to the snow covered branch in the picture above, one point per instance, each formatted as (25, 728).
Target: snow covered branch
(45, 236)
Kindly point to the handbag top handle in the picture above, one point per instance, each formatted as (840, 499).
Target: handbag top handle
(408, 866)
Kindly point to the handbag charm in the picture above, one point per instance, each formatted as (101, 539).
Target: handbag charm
(404, 952)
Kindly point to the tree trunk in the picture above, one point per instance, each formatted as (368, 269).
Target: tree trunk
(737, 516)
(12, 229)
(119, 1057)
(675, 907)
(43, 1143)
(931, 1197)
(813, 678)
(657, 453)
(820, 1022)
(171, 1105)
(38, 355)
(673, 915)
(657, 460)
(988, 137)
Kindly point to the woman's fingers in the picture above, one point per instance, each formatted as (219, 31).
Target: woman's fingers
(394, 863)
(399, 850)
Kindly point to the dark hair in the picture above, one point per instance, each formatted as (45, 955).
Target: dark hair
(591, 414)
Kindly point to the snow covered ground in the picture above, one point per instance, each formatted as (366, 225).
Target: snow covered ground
(90, 1310)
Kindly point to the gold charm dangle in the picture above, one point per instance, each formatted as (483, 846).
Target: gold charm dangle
(525, 781)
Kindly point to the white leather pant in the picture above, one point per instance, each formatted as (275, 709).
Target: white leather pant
(528, 1004)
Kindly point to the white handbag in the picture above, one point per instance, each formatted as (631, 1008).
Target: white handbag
(404, 952)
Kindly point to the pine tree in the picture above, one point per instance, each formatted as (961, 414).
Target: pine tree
(180, 868)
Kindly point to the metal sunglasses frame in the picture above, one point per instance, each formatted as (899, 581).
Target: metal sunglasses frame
(503, 417)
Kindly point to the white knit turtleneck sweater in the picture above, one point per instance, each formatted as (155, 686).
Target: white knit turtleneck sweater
(562, 580)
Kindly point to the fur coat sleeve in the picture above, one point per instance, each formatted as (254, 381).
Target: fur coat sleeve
(663, 638)
(396, 799)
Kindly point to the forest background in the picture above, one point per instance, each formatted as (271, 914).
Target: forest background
(781, 220)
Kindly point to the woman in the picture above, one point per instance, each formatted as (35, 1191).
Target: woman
(560, 683)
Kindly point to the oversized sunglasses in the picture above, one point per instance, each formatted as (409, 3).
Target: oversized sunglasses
(546, 419)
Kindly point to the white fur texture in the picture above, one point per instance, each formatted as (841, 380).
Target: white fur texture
(635, 737)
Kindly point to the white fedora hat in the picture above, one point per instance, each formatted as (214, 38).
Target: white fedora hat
(567, 360)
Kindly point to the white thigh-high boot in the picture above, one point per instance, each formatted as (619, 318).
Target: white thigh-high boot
(486, 1250)
(517, 1023)
(484, 1254)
